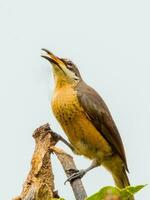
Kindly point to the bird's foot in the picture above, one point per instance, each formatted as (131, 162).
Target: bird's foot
(60, 138)
(75, 174)
(56, 136)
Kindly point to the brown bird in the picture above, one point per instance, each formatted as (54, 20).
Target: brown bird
(86, 120)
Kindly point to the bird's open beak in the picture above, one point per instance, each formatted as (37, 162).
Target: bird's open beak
(52, 58)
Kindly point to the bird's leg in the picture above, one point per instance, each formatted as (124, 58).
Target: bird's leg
(75, 174)
(60, 138)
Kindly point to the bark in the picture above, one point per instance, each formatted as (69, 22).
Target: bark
(39, 184)
(67, 163)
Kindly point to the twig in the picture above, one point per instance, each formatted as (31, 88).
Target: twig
(67, 163)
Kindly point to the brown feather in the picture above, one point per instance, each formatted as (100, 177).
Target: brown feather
(101, 118)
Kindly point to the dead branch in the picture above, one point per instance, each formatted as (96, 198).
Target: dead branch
(39, 184)
(67, 163)
(40, 180)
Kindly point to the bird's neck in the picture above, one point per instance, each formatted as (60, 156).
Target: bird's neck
(63, 82)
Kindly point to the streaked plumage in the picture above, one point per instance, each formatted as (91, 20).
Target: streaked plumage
(86, 119)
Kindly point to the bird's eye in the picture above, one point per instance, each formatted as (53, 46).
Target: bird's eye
(70, 67)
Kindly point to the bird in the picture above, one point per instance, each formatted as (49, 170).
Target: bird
(87, 121)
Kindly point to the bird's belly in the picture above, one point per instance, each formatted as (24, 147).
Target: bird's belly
(82, 134)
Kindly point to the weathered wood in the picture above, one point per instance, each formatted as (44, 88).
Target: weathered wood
(67, 162)
(39, 184)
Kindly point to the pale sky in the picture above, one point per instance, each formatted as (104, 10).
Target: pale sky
(110, 43)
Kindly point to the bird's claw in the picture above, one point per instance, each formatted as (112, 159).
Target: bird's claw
(75, 174)
(72, 171)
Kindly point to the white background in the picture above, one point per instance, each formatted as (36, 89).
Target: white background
(110, 43)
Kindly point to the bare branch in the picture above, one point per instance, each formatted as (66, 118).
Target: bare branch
(67, 162)
(39, 184)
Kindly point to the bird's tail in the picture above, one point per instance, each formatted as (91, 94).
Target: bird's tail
(118, 171)
(121, 179)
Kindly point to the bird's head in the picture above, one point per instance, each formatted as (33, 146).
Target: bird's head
(64, 70)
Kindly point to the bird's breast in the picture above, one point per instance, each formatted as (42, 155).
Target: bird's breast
(65, 105)
(77, 126)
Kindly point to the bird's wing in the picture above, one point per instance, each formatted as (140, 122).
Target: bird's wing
(99, 114)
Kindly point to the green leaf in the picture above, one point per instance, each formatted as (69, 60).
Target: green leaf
(100, 195)
(108, 191)
(134, 189)
(130, 191)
